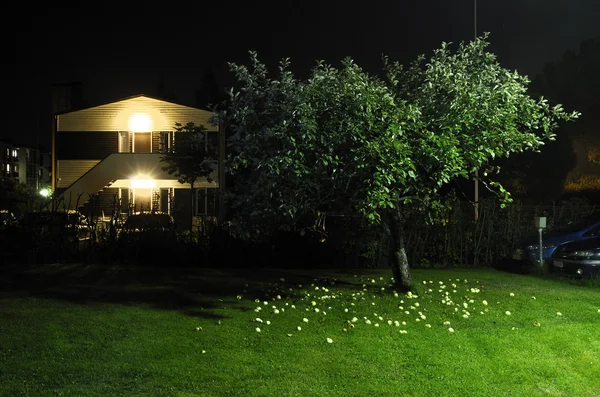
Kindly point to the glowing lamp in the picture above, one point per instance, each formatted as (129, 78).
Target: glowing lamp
(140, 122)
(45, 192)
(143, 183)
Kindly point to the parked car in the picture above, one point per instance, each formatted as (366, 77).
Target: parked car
(147, 237)
(577, 258)
(147, 227)
(527, 255)
(66, 226)
(7, 219)
(147, 222)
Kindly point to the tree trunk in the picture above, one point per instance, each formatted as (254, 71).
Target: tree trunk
(393, 225)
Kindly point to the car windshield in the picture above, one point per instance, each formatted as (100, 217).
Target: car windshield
(580, 224)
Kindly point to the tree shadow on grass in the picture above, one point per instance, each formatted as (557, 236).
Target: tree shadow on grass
(196, 292)
(89, 284)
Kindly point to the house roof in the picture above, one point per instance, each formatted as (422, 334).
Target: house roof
(127, 98)
(159, 114)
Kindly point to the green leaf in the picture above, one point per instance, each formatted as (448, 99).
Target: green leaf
(346, 140)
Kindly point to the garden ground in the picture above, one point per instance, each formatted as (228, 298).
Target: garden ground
(84, 330)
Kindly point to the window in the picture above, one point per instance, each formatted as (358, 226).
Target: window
(124, 142)
(208, 202)
(15, 154)
(31, 170)
(142, 142)
(165, 141)
(15, 170)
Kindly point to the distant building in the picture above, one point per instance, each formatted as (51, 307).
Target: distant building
(25, 164)
(10, 160)
(45, 169)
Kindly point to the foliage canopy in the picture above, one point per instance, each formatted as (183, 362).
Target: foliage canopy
(346, 141)
(192, 155)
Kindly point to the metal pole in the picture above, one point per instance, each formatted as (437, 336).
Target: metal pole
(221, 169)
(541, 253)
(54, 168)
(475, 16)
(37, 158)
(476, 195)
(476, 179)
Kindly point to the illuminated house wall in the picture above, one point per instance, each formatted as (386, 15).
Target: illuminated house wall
(115, 149)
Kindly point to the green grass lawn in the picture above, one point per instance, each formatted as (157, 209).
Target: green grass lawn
(106, 331)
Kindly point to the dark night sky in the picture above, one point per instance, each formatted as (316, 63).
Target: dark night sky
(121, 50)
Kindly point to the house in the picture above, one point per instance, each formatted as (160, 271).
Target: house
(106, 160)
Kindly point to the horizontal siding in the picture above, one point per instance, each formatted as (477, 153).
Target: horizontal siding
(68, 171)
(86, 145)
(115, 116)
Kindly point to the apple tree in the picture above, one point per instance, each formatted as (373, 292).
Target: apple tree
(343, 140)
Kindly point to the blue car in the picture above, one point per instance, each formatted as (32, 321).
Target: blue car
(578, 258)
(527, 255)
